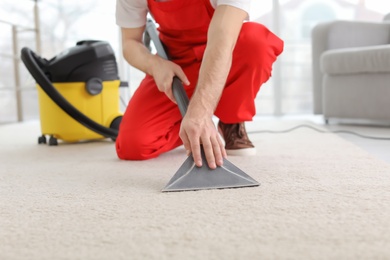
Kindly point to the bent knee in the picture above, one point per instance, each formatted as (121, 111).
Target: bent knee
(133, 147)
(260, 43)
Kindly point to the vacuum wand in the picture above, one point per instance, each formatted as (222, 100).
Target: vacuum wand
(180, 95)
(177, 86)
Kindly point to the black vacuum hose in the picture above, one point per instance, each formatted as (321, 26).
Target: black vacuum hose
(29, 60)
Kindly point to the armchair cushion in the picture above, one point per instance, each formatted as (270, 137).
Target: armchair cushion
(374, 59)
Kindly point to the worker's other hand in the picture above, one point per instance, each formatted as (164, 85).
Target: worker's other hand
(163, 72)
(199, 130)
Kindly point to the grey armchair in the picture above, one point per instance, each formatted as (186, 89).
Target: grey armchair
(351, 69)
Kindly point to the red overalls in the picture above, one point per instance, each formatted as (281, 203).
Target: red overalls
(151, 123)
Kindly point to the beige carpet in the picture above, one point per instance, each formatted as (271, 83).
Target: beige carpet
(320, 198)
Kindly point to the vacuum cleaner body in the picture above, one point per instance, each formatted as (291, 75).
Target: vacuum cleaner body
(86, 76)
(102, 108)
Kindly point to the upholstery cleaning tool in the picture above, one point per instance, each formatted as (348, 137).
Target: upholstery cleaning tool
(78, 92)
(189, 176)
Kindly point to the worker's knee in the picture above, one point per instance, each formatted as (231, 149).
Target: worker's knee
(256, 43)
(132, 146)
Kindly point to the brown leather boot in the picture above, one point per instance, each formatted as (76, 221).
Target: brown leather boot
(236, 139)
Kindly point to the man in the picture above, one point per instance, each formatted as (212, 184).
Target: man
(221, 60)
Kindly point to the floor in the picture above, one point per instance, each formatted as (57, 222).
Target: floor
(357, 132)
(378, 148)
(320, 198)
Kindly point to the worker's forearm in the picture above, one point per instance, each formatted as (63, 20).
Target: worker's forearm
(217, 60)
(212, 76)
(138, 56)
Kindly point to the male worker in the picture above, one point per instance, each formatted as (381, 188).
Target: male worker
(222, 61)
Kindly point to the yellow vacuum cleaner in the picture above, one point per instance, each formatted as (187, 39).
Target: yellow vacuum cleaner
(78, 92)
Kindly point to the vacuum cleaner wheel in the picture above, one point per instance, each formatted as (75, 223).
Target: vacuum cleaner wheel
(42, 139)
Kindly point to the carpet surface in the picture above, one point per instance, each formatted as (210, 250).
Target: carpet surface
(320, 198)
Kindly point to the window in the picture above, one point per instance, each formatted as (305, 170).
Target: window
(64, 22)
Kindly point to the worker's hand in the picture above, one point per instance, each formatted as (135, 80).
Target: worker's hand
(196, 130)
(163, 72)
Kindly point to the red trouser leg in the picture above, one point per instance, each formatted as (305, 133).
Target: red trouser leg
(255, 52)
(151, 123)
(149, 126)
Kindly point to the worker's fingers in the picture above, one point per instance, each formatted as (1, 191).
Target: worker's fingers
(169, 93)
(188, 146)
(192, 144)
(214, 151)
(222, 147)
(218, 150)
(181, 75)
(195, 133)
(165, 85)
(186, 142)
(163, 74)
(195, 150)
(209, 153)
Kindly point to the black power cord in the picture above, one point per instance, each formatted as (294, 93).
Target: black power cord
(318, 130)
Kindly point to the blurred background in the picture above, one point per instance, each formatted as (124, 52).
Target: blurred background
(50, 26)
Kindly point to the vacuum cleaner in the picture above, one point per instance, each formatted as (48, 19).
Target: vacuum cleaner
(78, 92)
